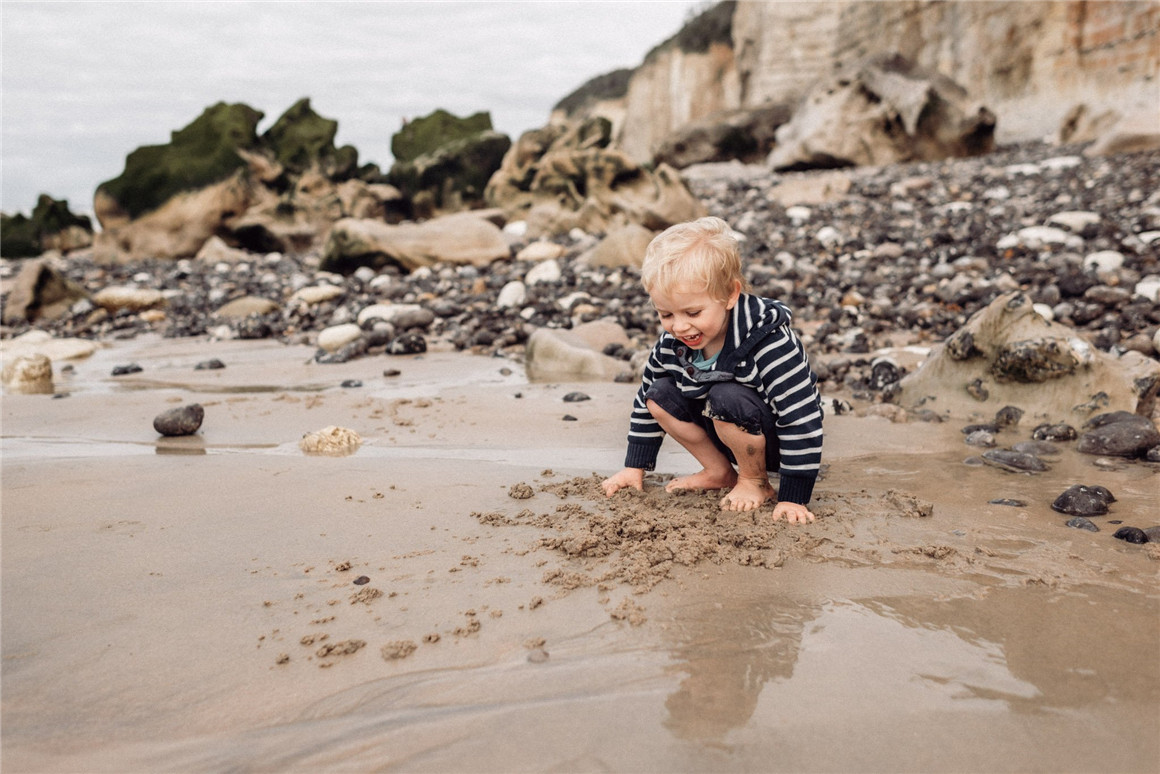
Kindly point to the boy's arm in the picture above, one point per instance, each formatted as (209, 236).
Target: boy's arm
(644, 432)
(789, 385)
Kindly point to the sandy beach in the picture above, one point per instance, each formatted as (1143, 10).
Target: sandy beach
(456, 595)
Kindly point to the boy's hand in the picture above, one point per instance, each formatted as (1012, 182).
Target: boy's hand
(633, 477)
(793, 513)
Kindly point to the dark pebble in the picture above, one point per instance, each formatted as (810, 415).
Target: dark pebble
(209, 365)
(131, 368)
(361, 580)
(410, 343)
(1153, 534)
(351, 383)
(1038, 448)
(1118, 434)
(184, 420)
(392, 372)
(569, 418)
(1080, 500)
(1008, 501)
(989, 427)
(1016, 462)
(1008, 416)
(1079, 522)
(575, 397)
(1131, 535)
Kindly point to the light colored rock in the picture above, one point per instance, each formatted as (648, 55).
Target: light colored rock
(540, 250)
(1149, 287)
(316, 294)
(336, 337)
(1038, 237)
(1104, 261)
(245, 306)
(28, 375)
(577, 353)
(811, 188)
(1133, 133)
(387, 312)
(215, 250)
(117, 297)
(331, 441)
(547, 271)
(40, 291)
(511, 295)
(461, 238)
(624, 246)
(881, 111)
(1026, 361)
(1077, 222)
(177, 229)
(41, 342)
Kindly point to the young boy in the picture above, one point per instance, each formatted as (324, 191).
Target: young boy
(728, 379)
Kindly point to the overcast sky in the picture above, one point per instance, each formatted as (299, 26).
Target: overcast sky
(85, 83)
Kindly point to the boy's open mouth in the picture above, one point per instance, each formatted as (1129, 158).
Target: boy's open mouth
(693, 341)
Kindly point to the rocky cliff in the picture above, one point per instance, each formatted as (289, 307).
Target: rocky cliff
(1043, 68)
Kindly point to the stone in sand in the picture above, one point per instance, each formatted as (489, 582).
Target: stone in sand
(1016, 462)
(1079, 522)
(184, 420)
(1080, 500)
(28, 375)
(1038, 448)
(331, 441)
(1118, 434)
(1057, 432)
(1131, 535)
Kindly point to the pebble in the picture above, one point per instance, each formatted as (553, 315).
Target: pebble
(123, 370)
(1079, 522)
(1080, 500)
(184, 420)
(576, 397)
(209, 365)
(1058, 432)
(1038, 448)
(1131, 535)
(1016, 462)
(1118, 434)
(361, 580)
(1009, 502)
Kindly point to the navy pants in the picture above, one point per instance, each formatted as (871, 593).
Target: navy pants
(727, 401)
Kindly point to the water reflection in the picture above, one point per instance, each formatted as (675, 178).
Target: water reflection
(752, 666)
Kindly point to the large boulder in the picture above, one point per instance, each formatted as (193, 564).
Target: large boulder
(460, 238)
(179, 227)
(883, 111)
(747, 135)
(454, 175)
(41, 291)
(423, 136)
(200, 155)
(1008, 355)
(562, 177)
(301, 139)
(578, 353)
(52, 226)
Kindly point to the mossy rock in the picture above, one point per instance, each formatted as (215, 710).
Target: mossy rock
(426, 135)
(300, 138)
(457, 173)
(22, 237)
(201, 154)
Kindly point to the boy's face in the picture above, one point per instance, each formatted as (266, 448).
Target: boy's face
(693, 316)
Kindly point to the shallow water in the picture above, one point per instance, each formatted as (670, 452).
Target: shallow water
(149, 584)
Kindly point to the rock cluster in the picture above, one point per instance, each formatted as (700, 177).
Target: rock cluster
(866, 259)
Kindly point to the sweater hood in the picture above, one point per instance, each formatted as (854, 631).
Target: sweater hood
(752, 318)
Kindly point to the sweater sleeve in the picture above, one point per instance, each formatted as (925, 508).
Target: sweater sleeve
(790, 387)
(644, 432)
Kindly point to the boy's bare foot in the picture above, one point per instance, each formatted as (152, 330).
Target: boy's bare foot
(704, 480)
(748, 495)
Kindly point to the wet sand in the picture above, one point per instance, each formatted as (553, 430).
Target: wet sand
(190, 604)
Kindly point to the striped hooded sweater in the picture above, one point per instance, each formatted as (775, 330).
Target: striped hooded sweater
(760, 351)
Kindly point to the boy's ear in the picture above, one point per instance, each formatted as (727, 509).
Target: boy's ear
(736, 294)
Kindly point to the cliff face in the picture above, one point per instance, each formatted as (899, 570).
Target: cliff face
(1030, 63)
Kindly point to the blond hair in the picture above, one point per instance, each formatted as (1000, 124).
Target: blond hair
(699, 254)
